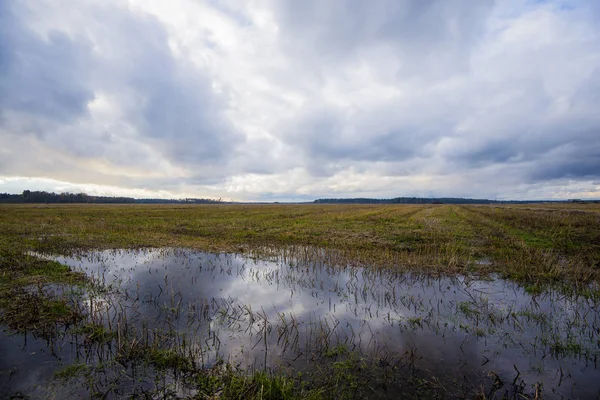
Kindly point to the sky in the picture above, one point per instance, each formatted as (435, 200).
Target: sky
(286, 100)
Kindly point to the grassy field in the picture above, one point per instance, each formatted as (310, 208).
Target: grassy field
(534, 244)
(539, 246)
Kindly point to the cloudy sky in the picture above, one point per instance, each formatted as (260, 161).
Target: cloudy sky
(295, 100)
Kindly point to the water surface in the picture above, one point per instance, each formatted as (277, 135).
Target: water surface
(286, 314)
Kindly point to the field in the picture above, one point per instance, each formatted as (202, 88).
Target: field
(69, 276)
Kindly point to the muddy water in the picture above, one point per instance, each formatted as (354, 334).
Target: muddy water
(283, 314)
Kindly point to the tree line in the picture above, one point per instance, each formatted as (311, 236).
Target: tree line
(419, 200)
(43, 197)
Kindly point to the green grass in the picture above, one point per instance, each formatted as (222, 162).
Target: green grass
(536, 245)
(539, 243)
(23, 304)
(336, 351)
(95, 333)
(72, 371)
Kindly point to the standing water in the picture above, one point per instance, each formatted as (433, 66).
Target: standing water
(287, 315)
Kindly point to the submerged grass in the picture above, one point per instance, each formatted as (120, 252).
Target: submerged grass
(25, 304)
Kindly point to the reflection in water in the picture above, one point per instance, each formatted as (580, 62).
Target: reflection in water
(289, 314)
(24, 363)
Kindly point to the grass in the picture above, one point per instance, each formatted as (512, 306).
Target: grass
(534, 244)
(538, 246)
(349, 377)
(96, 333)
(72, 371)
(24, 305)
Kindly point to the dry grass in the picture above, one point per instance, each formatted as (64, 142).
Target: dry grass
(532, 244)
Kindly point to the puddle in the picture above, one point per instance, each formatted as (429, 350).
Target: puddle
(283, 314)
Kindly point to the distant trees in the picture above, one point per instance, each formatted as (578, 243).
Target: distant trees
(412, 200)
(440, 200)
(46, 197)
(11, 198)
(29, 196)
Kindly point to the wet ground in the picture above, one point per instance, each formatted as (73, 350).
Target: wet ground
(289, 315)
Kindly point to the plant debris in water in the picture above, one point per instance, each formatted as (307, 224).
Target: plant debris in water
(175, 322)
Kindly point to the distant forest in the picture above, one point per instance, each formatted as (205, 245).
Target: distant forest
(52, 198)
(431, 200)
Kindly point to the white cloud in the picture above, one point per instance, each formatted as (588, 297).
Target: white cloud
(293, 100)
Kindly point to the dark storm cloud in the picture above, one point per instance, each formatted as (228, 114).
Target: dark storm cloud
(175, 104)
(330, 137)
(516, 118)
(43, 77)
(530, 131)
(168, 106)
(425, 40)
(571, 161)
(395, 131)
(416, 30)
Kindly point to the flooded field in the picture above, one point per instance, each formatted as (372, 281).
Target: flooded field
(295, 313)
